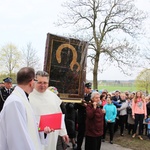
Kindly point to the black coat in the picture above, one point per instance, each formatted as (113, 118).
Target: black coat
(114, 98)
(70, 120)
(148, 108)
(3, 96)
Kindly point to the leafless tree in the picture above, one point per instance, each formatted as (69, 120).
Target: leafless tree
(144, 59)
(110, 26)
(30, 57)
(146, 56)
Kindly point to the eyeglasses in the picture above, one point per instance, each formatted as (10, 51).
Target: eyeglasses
(40, 83)
(35, 80)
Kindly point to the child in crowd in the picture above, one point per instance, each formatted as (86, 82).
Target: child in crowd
(110, 116)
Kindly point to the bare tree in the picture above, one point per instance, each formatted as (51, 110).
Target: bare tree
(144, 59)
(146, 55)
(10, 58)
(110, 27)
(30, 57)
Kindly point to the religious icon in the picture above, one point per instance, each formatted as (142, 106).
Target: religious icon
(65, 61)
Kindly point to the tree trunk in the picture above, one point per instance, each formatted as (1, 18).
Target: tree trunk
(10, 73)
(147, 89)
(95, 71)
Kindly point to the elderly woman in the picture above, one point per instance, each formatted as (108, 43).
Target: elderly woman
(94, 123)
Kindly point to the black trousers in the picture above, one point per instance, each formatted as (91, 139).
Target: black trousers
(92, 143)
(122, 123)
(110, 127)
(81, 134)
(130, 128)
(117, 123)
(138, 120)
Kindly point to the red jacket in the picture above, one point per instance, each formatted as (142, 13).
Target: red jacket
(94, 121)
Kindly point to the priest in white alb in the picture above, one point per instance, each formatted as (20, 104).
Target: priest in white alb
(43, 102)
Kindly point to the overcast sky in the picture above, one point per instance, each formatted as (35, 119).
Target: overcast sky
(24, 21)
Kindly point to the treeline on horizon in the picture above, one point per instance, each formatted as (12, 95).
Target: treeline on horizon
(113, 85)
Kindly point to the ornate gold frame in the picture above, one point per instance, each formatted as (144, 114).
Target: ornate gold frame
(54, 52)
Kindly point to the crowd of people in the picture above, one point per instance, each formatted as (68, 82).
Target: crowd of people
(116, 112)
(120, 111)
(21, 107)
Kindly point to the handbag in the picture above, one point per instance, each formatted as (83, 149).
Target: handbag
(129, 110)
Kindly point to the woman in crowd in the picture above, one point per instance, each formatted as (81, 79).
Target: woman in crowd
(94, 123)
(139, 112)
(110, 116)
(103, 102)
(122, 112)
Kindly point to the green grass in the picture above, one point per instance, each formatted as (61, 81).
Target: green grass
(116, 87)
(128, 142)
(134, 144)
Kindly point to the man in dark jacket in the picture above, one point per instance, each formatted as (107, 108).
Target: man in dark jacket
(82, 115)
(5, 91)
(116, 101)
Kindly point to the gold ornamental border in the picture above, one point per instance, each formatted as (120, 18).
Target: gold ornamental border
(71, 100)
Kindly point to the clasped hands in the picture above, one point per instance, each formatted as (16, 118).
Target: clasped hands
(49, 130)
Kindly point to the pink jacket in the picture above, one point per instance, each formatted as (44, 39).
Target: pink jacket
(139, 107)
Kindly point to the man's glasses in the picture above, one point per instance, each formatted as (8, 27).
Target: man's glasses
(35, 80)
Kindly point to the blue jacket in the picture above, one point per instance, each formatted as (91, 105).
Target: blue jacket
(148, 122)
(111, 112)
(116, 103)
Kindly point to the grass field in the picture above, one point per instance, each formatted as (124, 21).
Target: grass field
(117, 87)
(128, 142)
